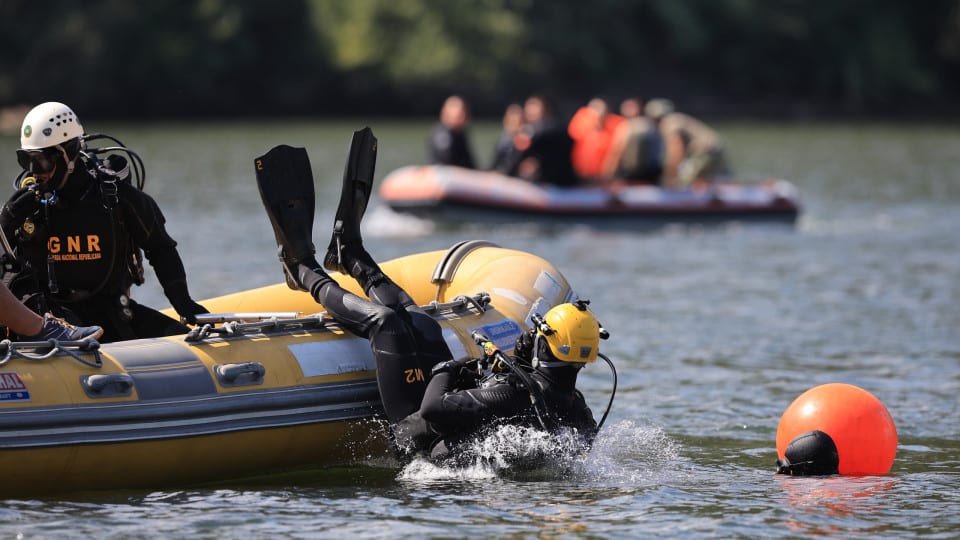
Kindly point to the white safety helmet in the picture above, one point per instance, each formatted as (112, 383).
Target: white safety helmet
(51, 134)
(47, 125)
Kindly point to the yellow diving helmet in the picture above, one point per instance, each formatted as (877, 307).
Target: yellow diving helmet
(572, 332)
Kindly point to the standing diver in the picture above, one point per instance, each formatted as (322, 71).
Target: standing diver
(80, 224)
(432, 402)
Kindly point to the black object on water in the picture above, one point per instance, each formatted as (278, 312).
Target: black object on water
(810, 454)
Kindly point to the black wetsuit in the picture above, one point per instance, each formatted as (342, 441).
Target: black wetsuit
(551, 146)
(505, 155)
(449, 147)
(90, 244)
(407, 343)
(458, 408)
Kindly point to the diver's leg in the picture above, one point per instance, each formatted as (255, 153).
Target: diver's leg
(286, 188)
(354, 196)
(348, 255)
(431, 347)
(400, 375)
(345, 252)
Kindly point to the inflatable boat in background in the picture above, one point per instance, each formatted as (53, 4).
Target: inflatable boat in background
(457, 195)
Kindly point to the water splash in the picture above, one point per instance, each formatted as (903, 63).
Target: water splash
(629, 453)
(623, 453)
(504, 451)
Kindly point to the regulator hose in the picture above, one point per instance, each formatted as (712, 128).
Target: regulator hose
(536, 397)
(613, 391)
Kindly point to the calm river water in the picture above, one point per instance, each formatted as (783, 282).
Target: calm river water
(714, 333)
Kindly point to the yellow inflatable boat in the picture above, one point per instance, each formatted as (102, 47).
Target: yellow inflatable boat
(260, 388)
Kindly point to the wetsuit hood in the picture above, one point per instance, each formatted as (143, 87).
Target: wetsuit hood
(563, 377)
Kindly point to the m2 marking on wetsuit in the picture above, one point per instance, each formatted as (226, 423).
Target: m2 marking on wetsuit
(414, 375)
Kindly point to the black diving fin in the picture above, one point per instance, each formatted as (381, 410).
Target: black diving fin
(286, 189)
(354, 196)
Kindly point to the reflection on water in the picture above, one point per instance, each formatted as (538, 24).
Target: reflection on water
(837, 495)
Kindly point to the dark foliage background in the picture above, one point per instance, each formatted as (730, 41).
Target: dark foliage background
(250, 58)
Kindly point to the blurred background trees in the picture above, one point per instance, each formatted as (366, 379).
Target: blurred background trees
(251, 58)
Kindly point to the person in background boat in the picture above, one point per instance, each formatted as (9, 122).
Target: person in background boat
(693, 150)
(637, 149)
(449, 144)
(592, 129)
(80, 224)
(435, 403)
(505, 152)
(545, 146)
(28, 326)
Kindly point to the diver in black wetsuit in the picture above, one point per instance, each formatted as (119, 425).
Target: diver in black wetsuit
(81, 224)
(459, 405)
(546, 147)
(448, 143)
(432, 402)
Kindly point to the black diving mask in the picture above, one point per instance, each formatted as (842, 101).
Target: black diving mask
(39, 161)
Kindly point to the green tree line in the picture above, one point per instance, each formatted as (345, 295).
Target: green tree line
(250, 58)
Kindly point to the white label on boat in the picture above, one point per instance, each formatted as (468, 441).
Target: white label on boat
(503, 333)
(334, 357)
(12, 387)
(510, 294)
(548, 285)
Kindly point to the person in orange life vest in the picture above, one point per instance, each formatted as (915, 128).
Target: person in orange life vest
(592, 128)
(80, 224)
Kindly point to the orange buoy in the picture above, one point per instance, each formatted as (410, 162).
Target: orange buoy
(840, 418)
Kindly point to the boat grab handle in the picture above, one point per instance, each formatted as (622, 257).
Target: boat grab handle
(107, 385)
(451, 260)
(479, 301)
(243, 374)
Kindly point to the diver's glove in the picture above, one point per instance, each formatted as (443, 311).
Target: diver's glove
(188, 310)
(183, 304)
(523, 348)
(461, 369)
(20, 205)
